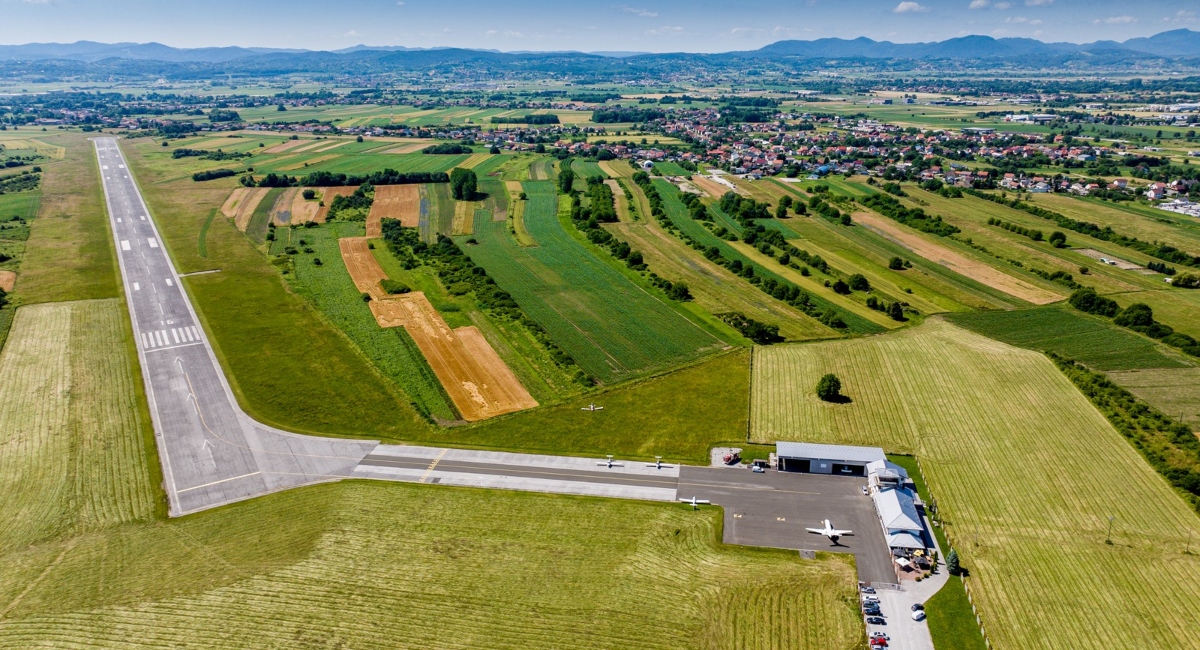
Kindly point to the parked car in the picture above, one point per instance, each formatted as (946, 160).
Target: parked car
(877, 642)
(868, 598)
(864, 489)
(876, 620)
(759, 469)
(918, 607)
(918, 615)
(872, 611)
(867, 590)
(880, 635)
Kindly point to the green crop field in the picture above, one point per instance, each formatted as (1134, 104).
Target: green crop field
(612, 327)
(1073, 334)
(998, 431)
(330, 288)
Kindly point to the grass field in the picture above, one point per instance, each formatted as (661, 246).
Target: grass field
(1174, 391)
(612, 327)
(1063, 330)
(288, 366)
(998, 431)
(330, 288)
(73, 454)
(87, 551)
(69, 252)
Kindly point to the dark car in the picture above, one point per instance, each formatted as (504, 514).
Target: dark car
(876, 620)
(918, 607)
(873, 611)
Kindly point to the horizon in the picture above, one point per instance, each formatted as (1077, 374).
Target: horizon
(662, 26)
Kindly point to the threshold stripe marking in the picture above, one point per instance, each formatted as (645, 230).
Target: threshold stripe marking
(432, 465)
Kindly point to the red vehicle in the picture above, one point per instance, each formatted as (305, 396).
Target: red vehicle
(879, 642)
(732, 458)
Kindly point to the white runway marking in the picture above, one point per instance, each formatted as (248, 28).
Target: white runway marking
(169, 283)
(136, 287)
(175, 334)
(194, 332)
(125, 245)
(152, 241)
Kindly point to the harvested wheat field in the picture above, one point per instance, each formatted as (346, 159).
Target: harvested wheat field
(616, 168)
(476, 378)
(332, 145)
(475, 160)
(328, 194)
(622, 203)
(304, 210)
(402, 202)
(957, 262)
(363, 267)
(411, 147)
(286, 145)
(241, 204)
(302, 163)
(464, 218)
(711, 187)
(7, 280)
(281, 211)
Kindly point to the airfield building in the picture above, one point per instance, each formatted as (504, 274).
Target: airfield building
(842, 460)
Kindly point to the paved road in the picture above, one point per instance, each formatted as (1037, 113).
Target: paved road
(212, 453)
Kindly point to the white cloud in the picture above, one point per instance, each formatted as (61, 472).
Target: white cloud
(400, 3)
(1038, 3)
(910, 7)
(979, 4)
(667, 30)
(1116, 20)
(1003, 5)
(1022, 20)
(644, 13)
(351, 34)
(490, 32)
(1181, 16)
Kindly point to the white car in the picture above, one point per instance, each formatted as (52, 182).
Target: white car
(918, 615)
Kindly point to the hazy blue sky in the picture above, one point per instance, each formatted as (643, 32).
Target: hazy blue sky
(644, 25)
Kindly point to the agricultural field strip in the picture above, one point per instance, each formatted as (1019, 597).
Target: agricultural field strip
(997, 431)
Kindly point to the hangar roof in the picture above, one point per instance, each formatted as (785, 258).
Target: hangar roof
(897, 510)
(828, 452)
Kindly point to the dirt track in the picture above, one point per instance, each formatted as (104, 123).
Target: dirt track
(476, 378)
(711, 187)
(957, 262)
(401, 202)
(7, 280)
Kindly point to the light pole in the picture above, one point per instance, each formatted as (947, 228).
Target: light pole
(1108, 540)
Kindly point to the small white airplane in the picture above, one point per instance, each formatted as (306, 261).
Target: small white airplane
(592, 408)
(829, 531)
(658, 464)
(696, 503)
(609, 463)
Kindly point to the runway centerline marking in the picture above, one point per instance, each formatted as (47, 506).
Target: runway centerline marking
(224, 480)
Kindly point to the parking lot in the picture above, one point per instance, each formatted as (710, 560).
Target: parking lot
(773, 509)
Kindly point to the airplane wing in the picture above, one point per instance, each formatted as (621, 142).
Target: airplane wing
(842, 533)
(819, 531)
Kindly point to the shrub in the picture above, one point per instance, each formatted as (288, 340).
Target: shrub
(394, 287)
(366, 297)
(858, 282)
(1088, 301)
(829, 388)
(1058, 239)
(309, 195)
(896, 264)
(1136, 315)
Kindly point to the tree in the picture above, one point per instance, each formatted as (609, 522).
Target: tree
(1136, 315)
(566, 177)
(829, 388)
(896, 264)
(494, 150)
(896, 311)
(463, 184)
(952, 563)
(1087, 300)
(1058, 239)
(4, 298)
(358, 139)
(858, 282)
(841, 287)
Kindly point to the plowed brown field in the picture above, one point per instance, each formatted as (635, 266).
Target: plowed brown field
(475, 377)
(401, 202)
(711, 187)
(286, 145)
(7, 280)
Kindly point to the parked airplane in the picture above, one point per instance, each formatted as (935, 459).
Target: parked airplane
(609, 463)
(696, 503)
(829, 531)
(592, 408)
(658, 464)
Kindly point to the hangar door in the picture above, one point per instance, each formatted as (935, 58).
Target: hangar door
(840, 469)
(794, 464)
